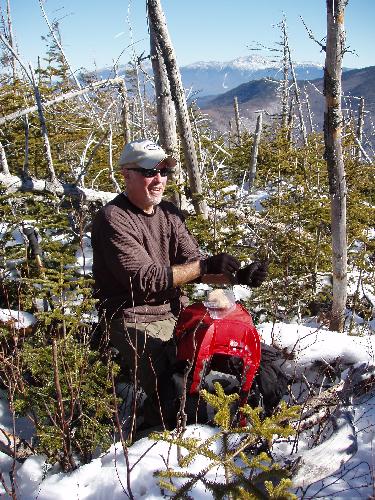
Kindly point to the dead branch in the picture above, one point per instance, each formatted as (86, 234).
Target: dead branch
(360, 147)
(312, 36)
(15, 55)
(14, 446)
(12, 184)
(62, 98)
(360, 380)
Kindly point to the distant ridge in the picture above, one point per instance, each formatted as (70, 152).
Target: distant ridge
(262, 95)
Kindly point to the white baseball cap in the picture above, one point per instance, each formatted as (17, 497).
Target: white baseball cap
(146, 154)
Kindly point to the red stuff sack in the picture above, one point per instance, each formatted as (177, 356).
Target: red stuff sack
(227, 345)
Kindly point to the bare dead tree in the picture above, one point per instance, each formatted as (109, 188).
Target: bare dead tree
(290, 122)
(3, 160)
(360, 123)
(159, 25)
(43, 127)
(52, 30)
(11, 41)
(166, 112)
(309, 111)
(85, 165)
(237, 120)
(254, 150)
(288, 64)
(298, 99)
(285, 83)
(26, 126)
(15, 55)
(165, 108)
(333, 121)
(124, 111)
(111, 172)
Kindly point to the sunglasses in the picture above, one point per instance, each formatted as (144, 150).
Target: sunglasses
(152, 172)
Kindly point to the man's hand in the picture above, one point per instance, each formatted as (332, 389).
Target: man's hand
(222, 263)
(253, 275)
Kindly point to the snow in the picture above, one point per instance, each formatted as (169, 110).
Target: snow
(16, 319)
(345, 456)
(84, 255)
(310, 344)
(246, 63)
(340, 466)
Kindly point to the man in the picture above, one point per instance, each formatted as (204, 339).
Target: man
(143, 253)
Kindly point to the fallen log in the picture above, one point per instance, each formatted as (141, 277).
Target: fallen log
(13, 183)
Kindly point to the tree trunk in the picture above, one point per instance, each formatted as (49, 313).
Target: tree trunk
(11, 41)
(165, 109)
(298, 97)
(360, 123)
(309, 112)
(158, 24)
(237, 120)
(290, 123)
(285, 82)
(254, 151)
(3, 160)
(43, 128)
(334, 157)
(26, 125)
(124, 111)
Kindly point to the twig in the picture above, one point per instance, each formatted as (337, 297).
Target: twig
(312, 36)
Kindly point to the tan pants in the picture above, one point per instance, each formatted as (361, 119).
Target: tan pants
(147, 349)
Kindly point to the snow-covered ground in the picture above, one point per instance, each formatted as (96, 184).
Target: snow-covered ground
(335, 461)
(340, 466)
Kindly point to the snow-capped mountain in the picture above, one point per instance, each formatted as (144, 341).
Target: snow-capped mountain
(215, 77)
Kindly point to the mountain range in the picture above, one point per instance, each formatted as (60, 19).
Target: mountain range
(215, 77)
(254, 80)
(208, 78)
(254, 96)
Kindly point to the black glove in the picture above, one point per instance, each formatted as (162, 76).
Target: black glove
(253, 275)
(222, 263)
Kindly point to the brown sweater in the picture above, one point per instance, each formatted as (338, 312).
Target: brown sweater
(132, 257)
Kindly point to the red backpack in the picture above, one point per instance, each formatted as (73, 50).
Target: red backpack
(215, 344)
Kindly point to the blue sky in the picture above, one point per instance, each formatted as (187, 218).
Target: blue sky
(96, 32)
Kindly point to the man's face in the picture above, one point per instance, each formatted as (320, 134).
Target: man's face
(144, 192)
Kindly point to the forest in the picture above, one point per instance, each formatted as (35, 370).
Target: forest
(299, 197)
